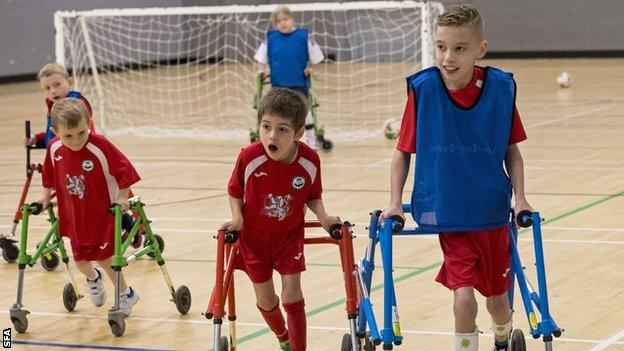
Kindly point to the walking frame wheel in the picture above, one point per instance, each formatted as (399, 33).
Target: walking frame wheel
(346, 343)
(182, 299)
(10, 252)
(225, 345)
(117, 323)
(69, 297)
(517, 341)
(50, 261)
(161, 245)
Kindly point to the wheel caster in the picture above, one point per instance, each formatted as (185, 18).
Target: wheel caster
(18, 318)
(182, 299)
(225, 345)
(161, 245)
(10, 252)
(368, 344)
(117, 327)
(69, 297)
(517, 341)
(346, 343)
(327, 145)
(50, 261)
(20, 324)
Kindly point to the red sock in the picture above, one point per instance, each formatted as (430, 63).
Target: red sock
(295, 314)
(275, 320)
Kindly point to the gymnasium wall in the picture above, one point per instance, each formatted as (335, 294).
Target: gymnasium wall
(513, 28)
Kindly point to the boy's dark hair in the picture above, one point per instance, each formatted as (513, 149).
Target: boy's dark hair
(462, 15)
(285, 103)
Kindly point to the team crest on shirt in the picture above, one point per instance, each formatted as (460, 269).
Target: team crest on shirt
(87, 165)
(277, 206)
(298, 182)
(76, 185)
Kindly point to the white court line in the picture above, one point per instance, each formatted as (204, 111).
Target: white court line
(571, 116)
(610, 341)
(312, 327)
(318, 231)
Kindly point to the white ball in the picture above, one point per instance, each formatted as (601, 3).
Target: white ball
(391, 128)
(564, 80)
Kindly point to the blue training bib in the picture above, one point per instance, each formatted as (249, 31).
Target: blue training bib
(288, 57)
(460, 182)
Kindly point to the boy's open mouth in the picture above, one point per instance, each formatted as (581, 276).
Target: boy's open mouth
(273, 148)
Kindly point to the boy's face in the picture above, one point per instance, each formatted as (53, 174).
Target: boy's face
(73, 138)
(56, 86)
(284, 23)
(278, 137)
(457, 50)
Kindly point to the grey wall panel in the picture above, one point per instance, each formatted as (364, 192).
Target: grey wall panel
(27, 30)
(27, 40)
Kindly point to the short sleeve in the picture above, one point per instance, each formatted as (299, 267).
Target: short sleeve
(517, 129)
(314, 51)
(407, 134)
(236, 185)
(317, 185)
(262, 54)
(47, 172)
(121, 168)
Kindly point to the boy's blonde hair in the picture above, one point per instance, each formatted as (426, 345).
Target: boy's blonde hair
(285, 103)
(462, 15)
(279, 10)
(68, 112)
(51, 69)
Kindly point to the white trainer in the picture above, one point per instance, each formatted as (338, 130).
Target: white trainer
(127, 300)
(96, 289)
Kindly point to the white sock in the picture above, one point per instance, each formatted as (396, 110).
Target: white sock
(467, 341)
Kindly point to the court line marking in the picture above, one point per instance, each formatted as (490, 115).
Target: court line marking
(571, 116)
(610, 341)
(311, 327)
(80, 346)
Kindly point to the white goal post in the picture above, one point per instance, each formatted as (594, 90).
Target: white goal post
(189, 71)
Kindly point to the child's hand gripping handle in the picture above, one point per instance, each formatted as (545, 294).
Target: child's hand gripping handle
(525, 218)
(398, 223)
(335, 231)
(231, 237)
(35, 208)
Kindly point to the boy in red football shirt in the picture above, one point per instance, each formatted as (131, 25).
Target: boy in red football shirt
(273, 181)
(88, 174)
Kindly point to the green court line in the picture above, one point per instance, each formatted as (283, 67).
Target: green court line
(332, 265)
(422, 270)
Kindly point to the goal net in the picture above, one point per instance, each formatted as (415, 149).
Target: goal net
(189, 71)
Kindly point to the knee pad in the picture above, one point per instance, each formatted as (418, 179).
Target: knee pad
(501, 330)
(467, 341)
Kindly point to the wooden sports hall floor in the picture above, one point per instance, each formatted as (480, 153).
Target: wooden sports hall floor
(574, 161)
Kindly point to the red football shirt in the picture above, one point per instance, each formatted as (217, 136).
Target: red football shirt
(275, 193)
(87, 182)
(465, 97)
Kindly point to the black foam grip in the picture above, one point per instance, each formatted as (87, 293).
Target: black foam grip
(525, 218)
(334, 231)
(232, 236)
(397, 223)
(35, 208)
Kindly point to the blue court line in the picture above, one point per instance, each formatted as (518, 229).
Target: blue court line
(80, 346)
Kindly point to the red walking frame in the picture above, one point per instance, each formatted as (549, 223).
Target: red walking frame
(223, 291)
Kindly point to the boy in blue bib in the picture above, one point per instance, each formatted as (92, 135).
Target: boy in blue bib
(461, 121)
